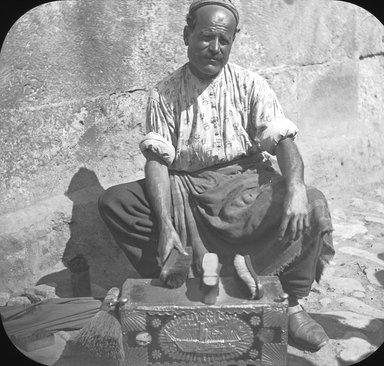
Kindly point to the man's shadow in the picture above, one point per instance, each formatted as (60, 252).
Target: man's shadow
(91, 238)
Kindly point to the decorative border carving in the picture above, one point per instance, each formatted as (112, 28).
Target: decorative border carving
(242, 336)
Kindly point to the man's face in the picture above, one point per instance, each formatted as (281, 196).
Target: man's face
(210, 42)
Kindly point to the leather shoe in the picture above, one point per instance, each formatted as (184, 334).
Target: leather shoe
(306, 332)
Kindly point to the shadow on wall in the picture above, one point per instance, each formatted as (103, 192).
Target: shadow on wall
(89, 237)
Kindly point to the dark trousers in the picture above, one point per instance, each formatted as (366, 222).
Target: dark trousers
(126, 211)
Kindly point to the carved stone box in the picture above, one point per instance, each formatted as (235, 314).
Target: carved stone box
(173, 327)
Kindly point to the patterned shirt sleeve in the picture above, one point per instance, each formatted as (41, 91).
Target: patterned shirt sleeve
(267, 118)
(159, 124)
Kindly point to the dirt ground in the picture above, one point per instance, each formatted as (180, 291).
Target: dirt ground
(348, 302)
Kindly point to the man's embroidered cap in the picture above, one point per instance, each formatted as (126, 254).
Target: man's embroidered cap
(229, 4)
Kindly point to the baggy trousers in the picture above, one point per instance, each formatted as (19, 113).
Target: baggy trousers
(127, 213)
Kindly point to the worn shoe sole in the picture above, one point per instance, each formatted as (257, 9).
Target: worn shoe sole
(305, 345)
(211, 269)
(210, 278)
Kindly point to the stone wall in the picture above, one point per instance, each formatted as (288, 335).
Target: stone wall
(74, 76)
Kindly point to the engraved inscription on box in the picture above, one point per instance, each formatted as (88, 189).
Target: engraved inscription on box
(206, 333)
(196, 337)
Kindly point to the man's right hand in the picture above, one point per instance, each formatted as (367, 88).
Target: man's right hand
(169, 239)
(175, 266)
(159, 196)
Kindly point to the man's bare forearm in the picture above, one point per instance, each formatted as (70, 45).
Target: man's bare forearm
(159, 196)
(290, 162)
(158, 189)
(295, 215)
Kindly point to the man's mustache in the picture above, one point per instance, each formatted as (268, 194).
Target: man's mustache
(211, 57)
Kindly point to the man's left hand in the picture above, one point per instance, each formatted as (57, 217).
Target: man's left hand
(295, 213)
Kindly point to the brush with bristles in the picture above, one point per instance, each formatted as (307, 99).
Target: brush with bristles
(247, 274)
(103, 336)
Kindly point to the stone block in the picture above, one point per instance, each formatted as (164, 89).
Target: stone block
(369, 34)
(364, 255)
(284, 83)
(42, 158)
(359, 307)
(359, 294)
(18, 300)
(328, 99)
(346, 285)
(348, 229)
(4, 297)
(83, 49)
(35, 244)
(371, 95)
(354, 349)
(299, 33)
(45, 291)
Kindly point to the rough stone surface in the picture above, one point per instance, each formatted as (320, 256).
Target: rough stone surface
(74, 77)
(375, 276)
(375, 219)
(325, 302)
(354, 350)
(363, 254)
(45, 291)
(359, 294)
(359, 306)
(348, 230)
(4, 297)
(356, 321)
(346, 285)
(18, 300)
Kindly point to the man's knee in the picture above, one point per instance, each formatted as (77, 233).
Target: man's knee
(106, 200)
(121, 197)
(314, 194)
(112, 198)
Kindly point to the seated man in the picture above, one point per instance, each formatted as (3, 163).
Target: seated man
(209, 185)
